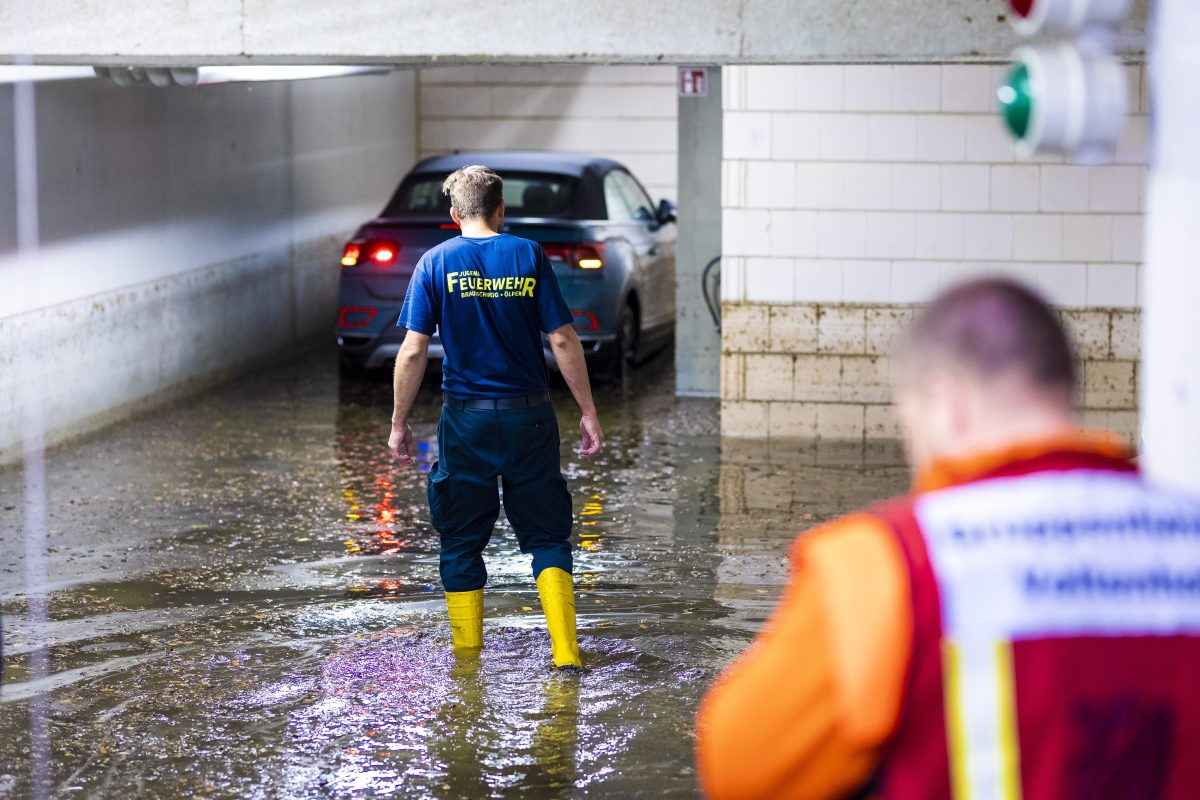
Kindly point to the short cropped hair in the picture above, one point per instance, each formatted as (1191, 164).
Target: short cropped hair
(474, 191)
(993, 327)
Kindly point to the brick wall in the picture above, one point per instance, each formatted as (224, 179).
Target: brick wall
(625, 113)
(851, 194)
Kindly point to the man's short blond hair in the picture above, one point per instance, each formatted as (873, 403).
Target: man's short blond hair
(474, 191)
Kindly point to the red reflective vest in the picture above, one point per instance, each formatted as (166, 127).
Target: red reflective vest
(1056, 648)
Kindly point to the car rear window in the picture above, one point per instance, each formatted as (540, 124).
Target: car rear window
(525, 195)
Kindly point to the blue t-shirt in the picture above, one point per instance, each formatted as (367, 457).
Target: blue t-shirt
(490, 299)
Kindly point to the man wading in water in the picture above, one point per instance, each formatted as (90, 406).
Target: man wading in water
(491, 296)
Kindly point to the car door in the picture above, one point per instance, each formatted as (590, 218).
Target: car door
(623, 223)
(659, 255)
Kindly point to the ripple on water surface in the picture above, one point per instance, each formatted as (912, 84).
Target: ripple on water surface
(245, 601)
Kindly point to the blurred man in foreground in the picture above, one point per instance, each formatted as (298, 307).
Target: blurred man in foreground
(1025, 624)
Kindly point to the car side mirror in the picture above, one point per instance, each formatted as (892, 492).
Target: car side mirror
(665, 212)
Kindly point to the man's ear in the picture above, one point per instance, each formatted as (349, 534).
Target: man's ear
(454, 216)
(959, 401)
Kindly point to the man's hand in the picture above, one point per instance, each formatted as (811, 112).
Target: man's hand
(593, 437)
(569, 355)
(410, 368)
(401, 443)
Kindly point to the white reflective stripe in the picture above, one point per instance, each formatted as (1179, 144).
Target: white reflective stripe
(979, 708)
(1080, 552)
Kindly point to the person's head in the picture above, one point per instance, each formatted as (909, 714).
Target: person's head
(984, 365)
(476, 195)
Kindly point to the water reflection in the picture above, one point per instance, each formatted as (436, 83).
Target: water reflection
(239, 613)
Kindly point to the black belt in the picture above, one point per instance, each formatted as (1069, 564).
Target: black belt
(501, 403)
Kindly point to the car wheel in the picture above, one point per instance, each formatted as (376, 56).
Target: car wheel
(622, 352)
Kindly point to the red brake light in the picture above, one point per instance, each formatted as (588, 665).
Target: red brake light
(383, 252)
(580, 256)
(449, 226)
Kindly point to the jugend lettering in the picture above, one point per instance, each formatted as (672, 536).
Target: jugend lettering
(470, 283)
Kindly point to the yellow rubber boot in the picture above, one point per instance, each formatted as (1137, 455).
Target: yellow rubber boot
(558, 602)
(466, 617)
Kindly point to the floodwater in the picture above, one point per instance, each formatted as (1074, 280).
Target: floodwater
(243, 600)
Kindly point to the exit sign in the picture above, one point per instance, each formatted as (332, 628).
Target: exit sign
(693, 81)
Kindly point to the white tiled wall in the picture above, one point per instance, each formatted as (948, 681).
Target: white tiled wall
(863, 184)
(851, 193)
(625, 113)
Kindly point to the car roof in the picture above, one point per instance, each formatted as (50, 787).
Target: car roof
(575, 164)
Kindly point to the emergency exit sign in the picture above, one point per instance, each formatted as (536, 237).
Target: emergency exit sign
(693, 81)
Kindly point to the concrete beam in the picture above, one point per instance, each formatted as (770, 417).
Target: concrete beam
(212, 32)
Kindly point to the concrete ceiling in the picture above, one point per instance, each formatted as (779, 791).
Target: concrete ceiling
(215, 32)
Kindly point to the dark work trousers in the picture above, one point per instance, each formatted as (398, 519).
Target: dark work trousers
(520, 448)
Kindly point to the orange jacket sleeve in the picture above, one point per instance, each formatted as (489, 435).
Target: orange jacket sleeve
(804, 711)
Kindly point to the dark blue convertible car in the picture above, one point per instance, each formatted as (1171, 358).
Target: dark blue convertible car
(612, 247)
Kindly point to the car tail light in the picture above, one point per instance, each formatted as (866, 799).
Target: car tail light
(580, 256)
(356, 316)
(382, 252)
(585, 320)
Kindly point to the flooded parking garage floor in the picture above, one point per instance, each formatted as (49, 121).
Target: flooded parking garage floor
(244, 603)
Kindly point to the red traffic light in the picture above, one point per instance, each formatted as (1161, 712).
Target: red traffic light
(1022, 7)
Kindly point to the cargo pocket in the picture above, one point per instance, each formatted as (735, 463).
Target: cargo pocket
(561, 516)
(441, 506)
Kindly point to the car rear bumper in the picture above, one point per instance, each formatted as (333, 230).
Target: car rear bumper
(592, 345)
(383, 354)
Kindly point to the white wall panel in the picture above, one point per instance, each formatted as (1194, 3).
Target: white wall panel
(622, 112)
(185, 233)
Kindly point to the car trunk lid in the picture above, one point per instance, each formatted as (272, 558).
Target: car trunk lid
(412, 239)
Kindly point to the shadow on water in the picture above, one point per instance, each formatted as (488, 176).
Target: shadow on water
(244, 600)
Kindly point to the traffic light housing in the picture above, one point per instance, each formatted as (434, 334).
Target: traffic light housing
(1062, 98)
(1069, 96)
(1033, 16)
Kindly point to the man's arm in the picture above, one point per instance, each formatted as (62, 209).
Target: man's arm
(410, 369)
(568, 352)
(806, 710)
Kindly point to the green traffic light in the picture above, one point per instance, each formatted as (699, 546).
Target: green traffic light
(1016, 100)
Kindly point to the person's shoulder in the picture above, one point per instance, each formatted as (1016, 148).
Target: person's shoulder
(521, 243)
(441, 248)
(848, 538)
(436, 254)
